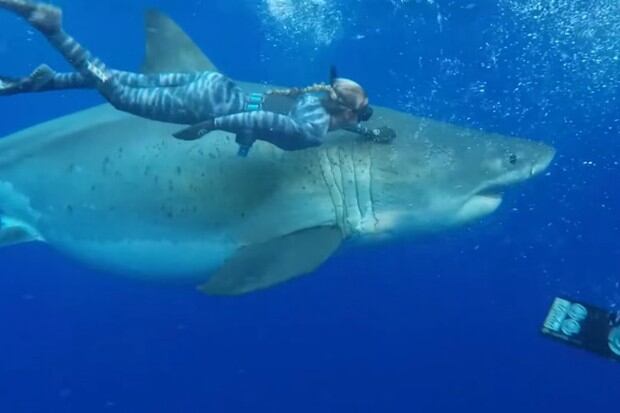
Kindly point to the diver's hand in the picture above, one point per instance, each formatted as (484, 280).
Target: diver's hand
(383, 134)
(196, 131)
(245, 142)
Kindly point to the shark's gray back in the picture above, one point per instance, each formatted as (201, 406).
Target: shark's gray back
(144, 177)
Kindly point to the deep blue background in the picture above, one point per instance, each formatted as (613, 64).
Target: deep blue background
(450, 322)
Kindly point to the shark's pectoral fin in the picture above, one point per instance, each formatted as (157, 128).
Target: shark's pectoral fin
(16, 232)
(262, 265)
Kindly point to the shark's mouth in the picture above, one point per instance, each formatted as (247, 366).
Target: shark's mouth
(491, 194)
(479, 204)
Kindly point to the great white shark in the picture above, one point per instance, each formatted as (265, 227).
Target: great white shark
(118, 192)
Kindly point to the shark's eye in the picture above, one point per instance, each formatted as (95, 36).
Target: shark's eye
(512, 159)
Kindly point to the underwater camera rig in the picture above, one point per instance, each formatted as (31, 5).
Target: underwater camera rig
(584, 326)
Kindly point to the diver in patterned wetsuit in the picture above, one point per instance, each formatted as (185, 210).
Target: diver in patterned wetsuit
(290, 119)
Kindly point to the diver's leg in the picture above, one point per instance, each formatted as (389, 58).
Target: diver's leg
(160, 103)
(139, 80)
(48, 20)
(177, 98)
(43, 17)
(43, 79)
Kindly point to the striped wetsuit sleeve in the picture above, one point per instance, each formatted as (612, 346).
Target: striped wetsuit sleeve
(304, 127)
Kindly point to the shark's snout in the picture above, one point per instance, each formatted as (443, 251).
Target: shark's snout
(543, 161)
(487, 196)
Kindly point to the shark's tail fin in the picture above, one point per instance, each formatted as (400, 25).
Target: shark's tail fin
(16, 232)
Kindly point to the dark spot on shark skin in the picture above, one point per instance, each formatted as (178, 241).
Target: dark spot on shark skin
(120, 152)
(72, 168)
(105, 164)
(170, 215)
(512, 159)
(70, 209)
(147, 170)
(93, 187)
(170, 186)
(179, 170)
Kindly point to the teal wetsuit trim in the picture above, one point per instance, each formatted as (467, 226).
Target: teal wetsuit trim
(254, 102)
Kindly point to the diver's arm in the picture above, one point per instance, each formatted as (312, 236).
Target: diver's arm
(383, 134)
(359, 129)
(280, 130)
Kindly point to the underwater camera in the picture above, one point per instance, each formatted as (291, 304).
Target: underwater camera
(584, 326)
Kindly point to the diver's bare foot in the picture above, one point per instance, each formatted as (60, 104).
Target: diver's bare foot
(43, 17)
(39, 79)
(46, 18)
(10, 86)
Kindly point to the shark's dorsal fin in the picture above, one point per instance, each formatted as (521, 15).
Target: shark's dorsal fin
(262, 265)
(170, 49)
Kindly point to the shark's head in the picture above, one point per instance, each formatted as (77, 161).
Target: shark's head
(435, 175)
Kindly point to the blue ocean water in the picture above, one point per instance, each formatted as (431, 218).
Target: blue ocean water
(448, 322)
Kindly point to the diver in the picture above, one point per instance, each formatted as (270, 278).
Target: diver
(291, 119)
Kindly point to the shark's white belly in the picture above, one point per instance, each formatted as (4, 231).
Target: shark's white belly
(104, 241)
(188, 260)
